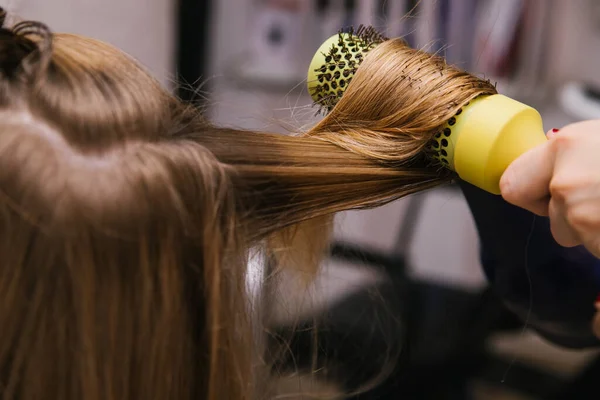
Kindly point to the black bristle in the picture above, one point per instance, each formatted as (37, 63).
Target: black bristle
(370, 36)
(343, 59)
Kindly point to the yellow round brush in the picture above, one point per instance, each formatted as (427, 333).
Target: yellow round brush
(479, 143)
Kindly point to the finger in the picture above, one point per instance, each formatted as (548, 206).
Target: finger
(551, 133)
(560, 228)
(593, 246)
(525, 183)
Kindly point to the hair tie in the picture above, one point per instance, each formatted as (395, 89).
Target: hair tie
(38, 35)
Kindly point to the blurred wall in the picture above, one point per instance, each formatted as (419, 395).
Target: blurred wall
(231, 21)
(575, 41)
(143, 28)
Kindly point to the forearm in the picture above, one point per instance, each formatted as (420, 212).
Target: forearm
(551, 286)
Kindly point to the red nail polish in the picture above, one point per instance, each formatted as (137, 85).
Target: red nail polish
(555, 130)
(598, 299)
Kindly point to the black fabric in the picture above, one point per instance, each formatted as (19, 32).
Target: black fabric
(552, 287)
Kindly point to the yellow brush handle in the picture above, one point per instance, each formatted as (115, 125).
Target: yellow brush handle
(491, 132)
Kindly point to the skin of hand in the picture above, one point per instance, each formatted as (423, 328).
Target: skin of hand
(561, 180)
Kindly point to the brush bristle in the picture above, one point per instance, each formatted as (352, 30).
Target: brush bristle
(339, 64)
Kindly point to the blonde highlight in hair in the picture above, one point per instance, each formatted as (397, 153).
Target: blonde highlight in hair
(126, 218)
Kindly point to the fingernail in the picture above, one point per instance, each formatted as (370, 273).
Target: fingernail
(554, 130)
(598, 298)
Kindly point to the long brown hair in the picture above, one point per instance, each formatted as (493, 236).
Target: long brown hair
(125, 217)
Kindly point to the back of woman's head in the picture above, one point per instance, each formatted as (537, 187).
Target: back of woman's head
(125, 217)
(113, 233)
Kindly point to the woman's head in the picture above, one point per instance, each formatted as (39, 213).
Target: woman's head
(125, 217)
(113, 233)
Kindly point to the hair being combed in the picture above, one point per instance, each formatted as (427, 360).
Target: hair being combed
(398, 100)
(125, 217)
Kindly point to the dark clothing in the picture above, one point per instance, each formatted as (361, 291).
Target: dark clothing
(564, 281)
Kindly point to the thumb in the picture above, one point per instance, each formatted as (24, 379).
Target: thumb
(526, 181)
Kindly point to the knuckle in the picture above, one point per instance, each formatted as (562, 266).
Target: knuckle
(593, 246)
(560, 188)
(566, 185)
(561, 142)
(577, 218)
(507, 187)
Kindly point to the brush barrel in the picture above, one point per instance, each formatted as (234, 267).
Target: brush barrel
(318, 61)
(491, 132)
